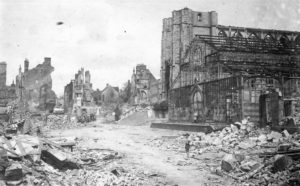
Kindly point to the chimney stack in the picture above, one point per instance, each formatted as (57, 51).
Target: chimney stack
(3, 74)
(26, 65)
(47, 60)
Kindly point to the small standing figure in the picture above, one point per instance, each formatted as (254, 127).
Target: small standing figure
(118, 113)
(187, 147)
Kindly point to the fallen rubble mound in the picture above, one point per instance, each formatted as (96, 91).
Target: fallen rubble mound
(249, 155)
(32, 160)
(56, 122)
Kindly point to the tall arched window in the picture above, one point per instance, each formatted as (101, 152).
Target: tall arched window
(222, 36)
(284, 40)
(297, 40)
(197, 103)
(197, 55)
(269, 38)
(253, 40)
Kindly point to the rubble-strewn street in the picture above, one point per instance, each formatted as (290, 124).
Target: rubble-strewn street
(150, 93)
(113, 154)
(147, 164)
(102, 154)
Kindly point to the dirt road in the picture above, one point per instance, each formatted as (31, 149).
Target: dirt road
(133, 142)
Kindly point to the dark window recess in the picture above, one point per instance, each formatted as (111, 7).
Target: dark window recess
(252, 83)
(270, 81)
(199, 17)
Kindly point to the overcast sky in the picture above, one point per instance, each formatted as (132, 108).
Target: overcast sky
(109, 37)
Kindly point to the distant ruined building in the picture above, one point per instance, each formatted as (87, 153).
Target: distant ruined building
(144, 86)
(110, 95)
(7, 93)
(78, 92)
(221, 74)
(34, 87)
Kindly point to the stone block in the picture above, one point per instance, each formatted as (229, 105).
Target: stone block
(14, 172)
(247, 145)
(58, 159)
(228, 163)
(249, 166)
(281, 162)
(284, 147)
(274, 136)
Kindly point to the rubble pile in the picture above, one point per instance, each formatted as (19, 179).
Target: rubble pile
(107, 114)
(167, 143)
(127, 111)
(32, 160)
(249, 155)
(108, 176)
(55, 122)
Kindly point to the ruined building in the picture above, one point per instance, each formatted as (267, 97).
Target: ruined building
(79, 91)
(3, 67)
(216, 73)
(7, 93)
(110, 95)
(34, 87)
(144, 87)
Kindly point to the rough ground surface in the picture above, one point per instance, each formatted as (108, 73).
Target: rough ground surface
(135, 141)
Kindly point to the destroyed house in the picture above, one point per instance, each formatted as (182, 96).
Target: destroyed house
(79, 91)
(221, 74)
(7, 93)
(34, 87)
(110, 95)
(144, 86)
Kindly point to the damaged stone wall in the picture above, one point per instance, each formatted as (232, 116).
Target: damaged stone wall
(7, 93)
(3, 74)
(196, 51)
(178, 32)
(34, 87)
(68, 97)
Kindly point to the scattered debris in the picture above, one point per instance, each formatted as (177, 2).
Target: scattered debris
(58, 159)
(252, 156)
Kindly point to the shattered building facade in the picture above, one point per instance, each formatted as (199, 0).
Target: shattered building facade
(7, 93)
(79, 91)
(34, 87)
(145, 88)
(216, 73)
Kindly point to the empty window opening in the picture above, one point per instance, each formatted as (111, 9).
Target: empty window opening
(199, 17)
